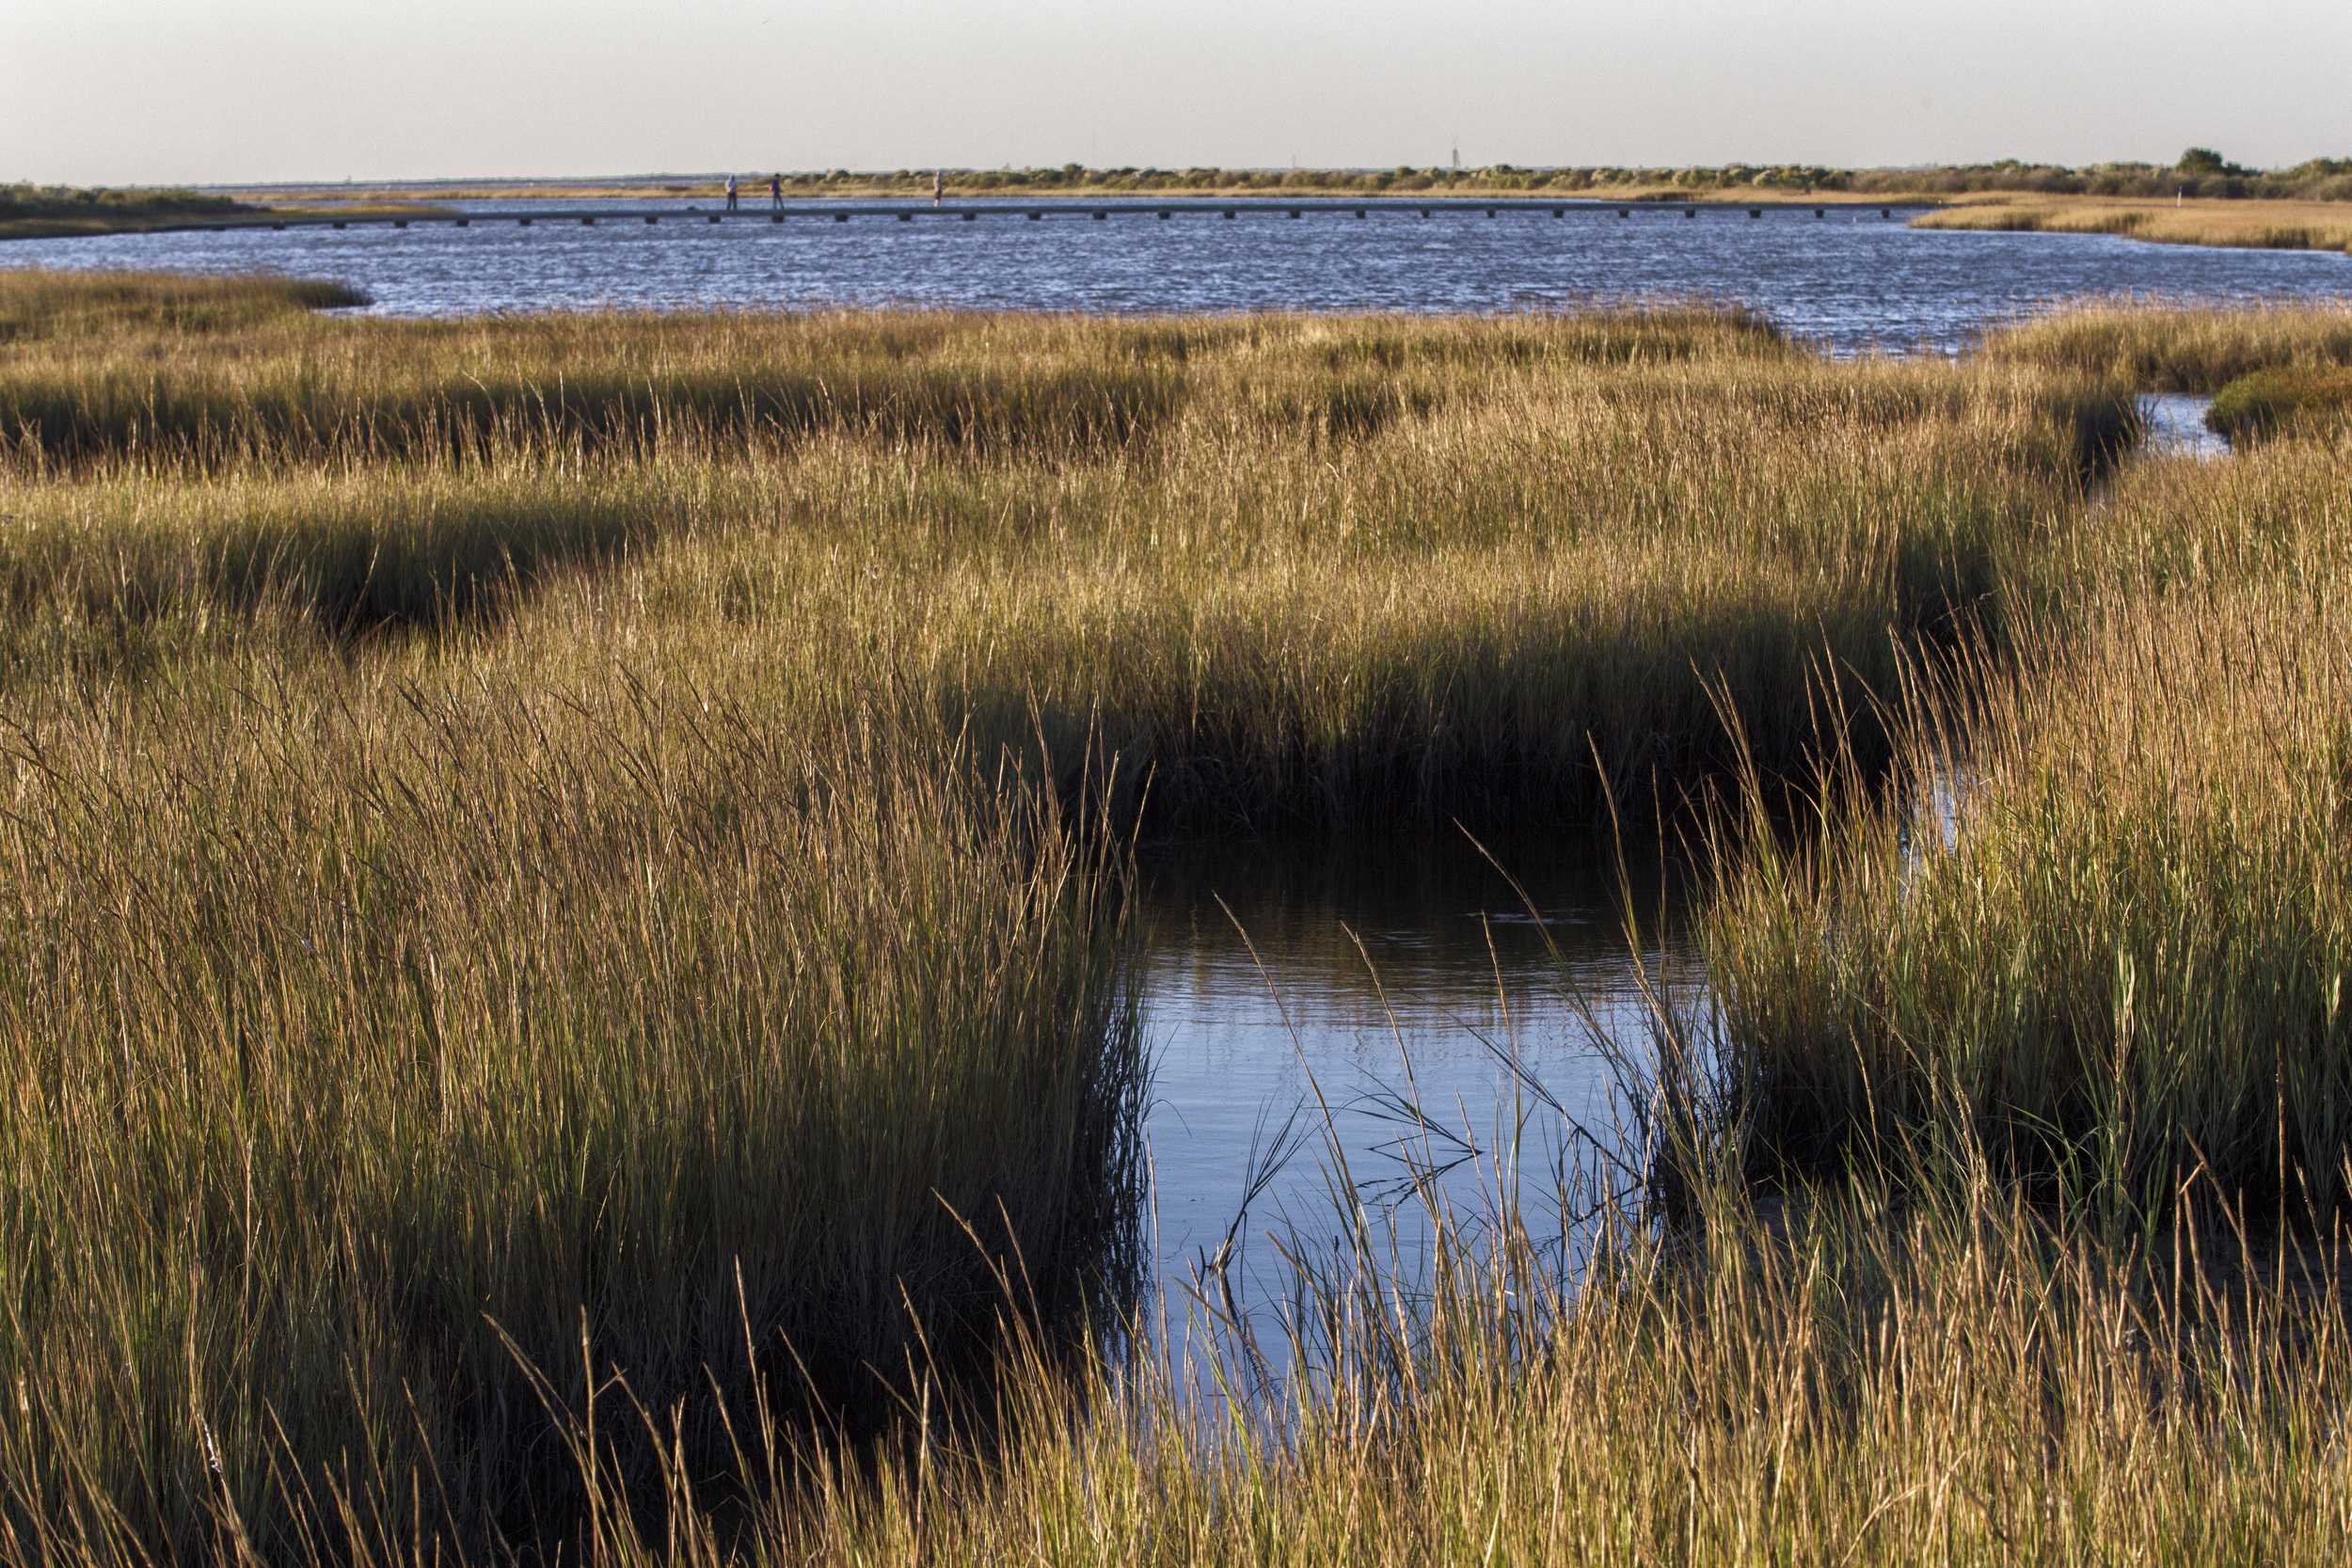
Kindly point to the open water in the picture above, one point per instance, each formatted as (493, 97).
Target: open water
(1852, 280)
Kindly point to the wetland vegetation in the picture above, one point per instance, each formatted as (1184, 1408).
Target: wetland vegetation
(2199, 172)
(47, 211)
(2250, 223)
(564, 960)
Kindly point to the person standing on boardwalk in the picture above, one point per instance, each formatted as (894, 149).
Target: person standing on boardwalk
(939, 186)
(731, 202)
(775, 193)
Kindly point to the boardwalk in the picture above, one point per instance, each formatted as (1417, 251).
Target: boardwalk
(974, 212)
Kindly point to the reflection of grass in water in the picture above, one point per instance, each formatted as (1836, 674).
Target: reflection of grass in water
(1443, 925)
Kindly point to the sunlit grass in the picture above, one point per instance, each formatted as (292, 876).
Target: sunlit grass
(563, 957)
(2100, 945)
(2251, 224)
(2177, 348)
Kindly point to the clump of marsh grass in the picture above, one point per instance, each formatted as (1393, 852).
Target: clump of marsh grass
(1902, 1384)
(2116, 966)
(2165, 348)
(1490, 609)
(2244, 224)
(372, 1045)
(2268, 404)
(60, 307)
(1295, 570)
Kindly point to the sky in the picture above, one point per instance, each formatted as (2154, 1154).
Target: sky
(222, 92)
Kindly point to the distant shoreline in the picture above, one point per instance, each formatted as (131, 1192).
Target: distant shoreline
(2246, 221)
(808, 191)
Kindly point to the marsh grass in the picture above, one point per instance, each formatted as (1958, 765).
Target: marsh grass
(92, 309)
(452, 1031)
(1290, 570)
(2268, 404)
(1967, 1376)
(2257, 223)
(1968, 1381)
(563, 954)
(2119, 966)
(306, 391)
(2156, 347)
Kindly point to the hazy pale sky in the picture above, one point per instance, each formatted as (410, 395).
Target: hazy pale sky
(220, 90)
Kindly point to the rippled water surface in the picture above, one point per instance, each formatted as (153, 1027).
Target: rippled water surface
(1851, 279)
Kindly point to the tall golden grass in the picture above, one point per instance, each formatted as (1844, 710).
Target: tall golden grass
(1288, 569)
(2100, 948)
(562, 963)
(2249, 224)
(2157, 347)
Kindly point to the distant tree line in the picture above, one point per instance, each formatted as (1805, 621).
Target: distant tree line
(2199, 172)
(22, 201)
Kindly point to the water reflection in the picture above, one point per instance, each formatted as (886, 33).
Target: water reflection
(1406, 989)
(2174, 426)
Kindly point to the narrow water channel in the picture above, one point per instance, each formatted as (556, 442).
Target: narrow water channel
(1401, 1015)
(1406, 988)
(2173, 425)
